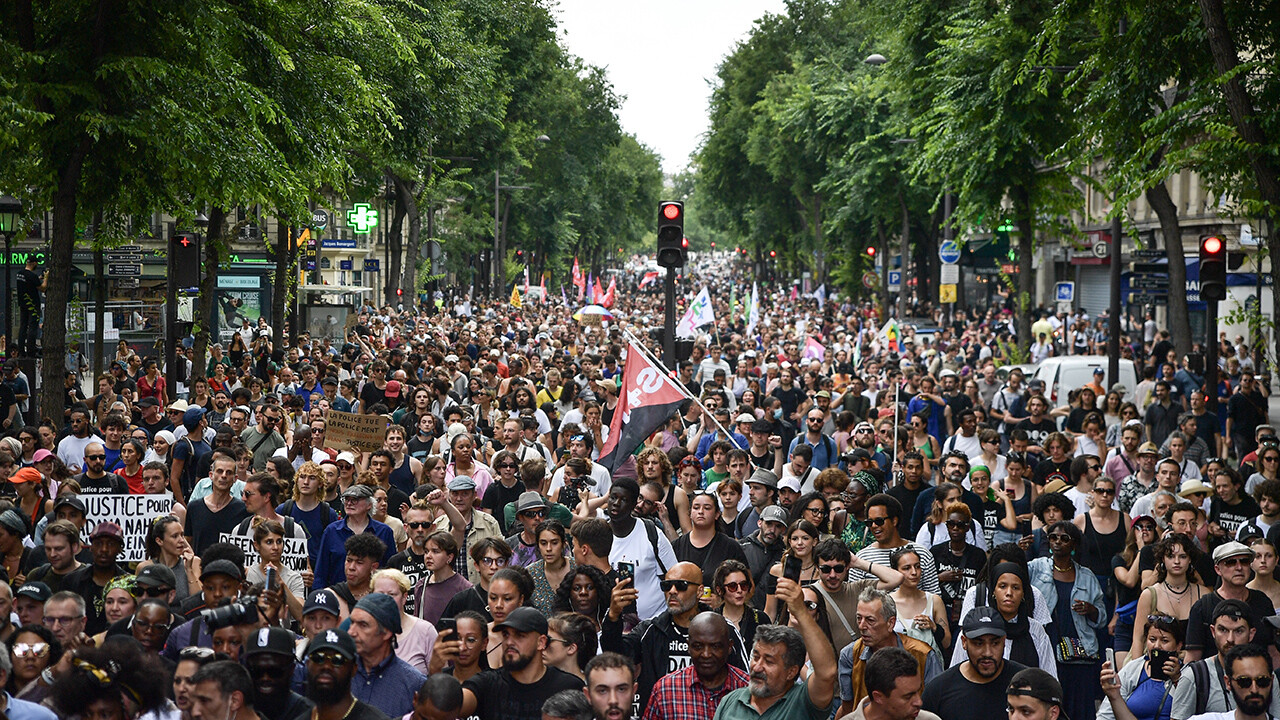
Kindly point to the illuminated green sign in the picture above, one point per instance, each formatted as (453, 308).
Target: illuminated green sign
(362, 217)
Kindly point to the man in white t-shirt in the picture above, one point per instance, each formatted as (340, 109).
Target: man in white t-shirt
(640, 543)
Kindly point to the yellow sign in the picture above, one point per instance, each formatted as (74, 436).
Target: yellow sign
(946, 293)
(515, 297)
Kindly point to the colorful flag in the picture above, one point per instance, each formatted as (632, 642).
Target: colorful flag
(795, 293)
(888, 335)
(544, 288)
(649, 277)
(577, 273)
(753, 310)
(646, 399)
(515, 297)
(563, 298)
(597, 292)
(526, 279)
(610, 295)
(813, 349)
(699, 313)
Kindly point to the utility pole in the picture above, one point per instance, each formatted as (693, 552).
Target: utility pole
(1113, 311)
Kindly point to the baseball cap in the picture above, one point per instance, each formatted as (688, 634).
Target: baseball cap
(983, 621)
(1036, 384)
(106, 528)
(451, 358)
(393, 388)
(41, 455)
(761, 426)
(789, 483)
(147, 402)
(273, 640)
(347, 457)
(763, 477)
(773, 513)
(530, 500)
(1140, 518)
(222, 567)
(156, 575)
(1099, 371)
(1230, 550)
(335, 640)
(192, 417)
(462, 482)
(1038, 684)
(322, 600)
(745, 418)
(1148, 448)
(1119, 388)
(37, 591)
(358, 492)
(525, 619)
(25, 475)
(72, 501)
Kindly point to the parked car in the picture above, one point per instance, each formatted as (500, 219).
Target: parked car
(1063, 374)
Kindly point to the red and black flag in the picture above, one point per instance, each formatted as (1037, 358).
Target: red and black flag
(646, 399)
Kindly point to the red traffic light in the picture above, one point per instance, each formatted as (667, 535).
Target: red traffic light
(773, 253)
(671, 211)
(1211, 245)
(399, 292)
(684, 243)
(713, 243)
(871, 251)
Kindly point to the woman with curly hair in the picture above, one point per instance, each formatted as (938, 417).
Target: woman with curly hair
(1175, 591)
(812, 506)
(585, 591)
(114, 682)
(653, 465)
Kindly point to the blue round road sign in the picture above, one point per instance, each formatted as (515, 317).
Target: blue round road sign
(949, 252)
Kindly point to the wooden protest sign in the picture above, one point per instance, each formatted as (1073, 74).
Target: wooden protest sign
(133, 513)
(352, 431)
(295, 551)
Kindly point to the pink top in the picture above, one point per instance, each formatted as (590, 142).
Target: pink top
(415, 642)
(479, 473)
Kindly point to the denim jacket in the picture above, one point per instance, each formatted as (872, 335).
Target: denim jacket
(1086, 588)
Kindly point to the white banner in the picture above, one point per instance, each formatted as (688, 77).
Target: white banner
(699, 313)
(133, 513)
(295, 551)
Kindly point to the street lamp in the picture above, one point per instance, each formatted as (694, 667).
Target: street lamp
(10, 211)
(875, 59)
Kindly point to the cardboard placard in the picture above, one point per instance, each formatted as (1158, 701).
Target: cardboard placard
(133, 513)
(352, 431)
(294, 557)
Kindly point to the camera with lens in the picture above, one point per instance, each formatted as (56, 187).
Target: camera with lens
(241, 612)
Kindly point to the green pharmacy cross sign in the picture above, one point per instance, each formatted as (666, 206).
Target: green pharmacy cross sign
(362, 217)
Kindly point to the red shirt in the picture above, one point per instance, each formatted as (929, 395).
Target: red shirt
(681, 695)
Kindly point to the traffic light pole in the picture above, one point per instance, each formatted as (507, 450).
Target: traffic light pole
(1113, 311)
(170, 322)
(669, 325)
(1211, 355)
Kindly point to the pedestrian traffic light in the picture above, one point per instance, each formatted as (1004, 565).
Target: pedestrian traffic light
(185, 251)
(1213, 268)
(672, 246)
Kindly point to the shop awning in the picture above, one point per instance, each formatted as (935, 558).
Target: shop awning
(335, 289)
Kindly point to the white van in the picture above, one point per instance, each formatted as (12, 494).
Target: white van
(1063, 374)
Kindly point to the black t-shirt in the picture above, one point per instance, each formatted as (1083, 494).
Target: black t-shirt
(28, 285)
(473, 598)
(1038, 432)
(414, 567)
(108, 484)
(953, 696)
(498, 497)
(1202, 563)
(81, 583)
(908, 497)
(498, 695)
(205, 528)
(790, 399)
(722, 547)
(152, 429)
(1047, 471)
(1075, 419)
(1201, 617)
(1231, 517)
(370, 395)
(969, 562)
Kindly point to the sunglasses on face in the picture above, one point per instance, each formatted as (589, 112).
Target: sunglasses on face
(832, 569)
(324, 657)
(31, 649)
(679, 585)
(957, 524)
(1236, 562)
(1060, 538)
(1104, 491)
(534, 513)
(877, 521)
(740, 586)
(1244, 682)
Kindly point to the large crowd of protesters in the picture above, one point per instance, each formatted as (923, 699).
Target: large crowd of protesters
(848, 517)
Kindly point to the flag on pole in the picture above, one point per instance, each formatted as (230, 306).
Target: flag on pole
(544, 288)
(753, 310)
(795, 293)
(699, 313)
(577, 273)
(646, 399)
(526, 279)
(597, 292)
(610, 295)
(888, 335)
(813, 349)
(857, 351)
(649, 277)
(820, 295)
(563, 298)
(515, 297)
(733, 304)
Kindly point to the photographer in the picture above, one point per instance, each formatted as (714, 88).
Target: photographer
(1144, 690)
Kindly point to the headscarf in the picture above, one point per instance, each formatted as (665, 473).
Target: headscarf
(866, 480)
(128, 583)
(1017, 629)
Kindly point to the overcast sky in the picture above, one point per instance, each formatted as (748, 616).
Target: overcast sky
(660, 54)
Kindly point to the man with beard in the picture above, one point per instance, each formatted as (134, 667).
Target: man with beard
(268, 655)
(883, 517)
(1201, 689)
(412, 561)
(696, 691)
(517, 690)
(975, 689)
(222, 691)
(90, 581)
(331, 664)
(777, 657)
(764, 547)
(1248, 676)
(1232, 562)
(611, 686)
(864, 437)
(660, 645)
(762, 492)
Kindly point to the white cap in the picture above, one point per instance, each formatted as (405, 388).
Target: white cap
(789, 483)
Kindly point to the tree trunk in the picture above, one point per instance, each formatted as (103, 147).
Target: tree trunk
(884, 267)
(395, 246)
(1242, 109)
(412, 248)
(206, 324)
(57, 290)
(904, 249)
(280, 294)
(1179, 317)
(1026, 244)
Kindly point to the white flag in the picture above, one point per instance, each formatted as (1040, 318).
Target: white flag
(699, 313)
(820, 295)
(753, 312)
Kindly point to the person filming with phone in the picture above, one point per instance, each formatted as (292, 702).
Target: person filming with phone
(1144, 690)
